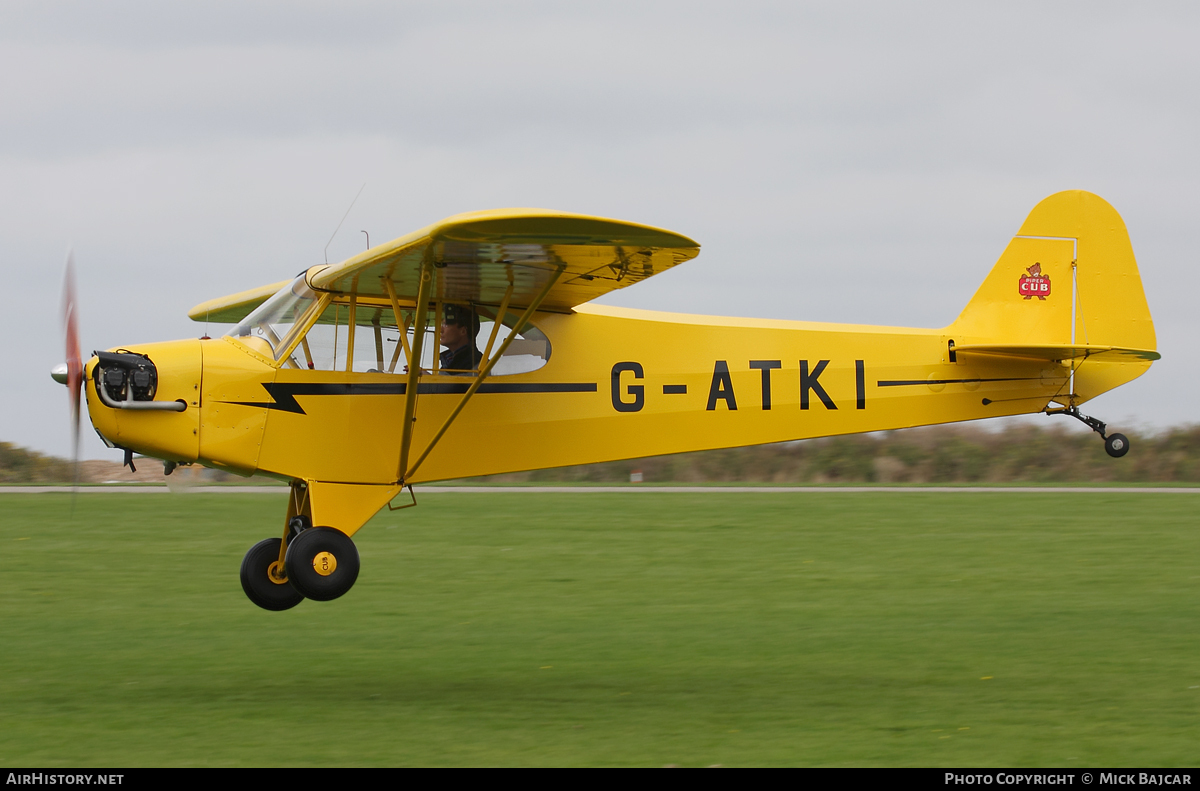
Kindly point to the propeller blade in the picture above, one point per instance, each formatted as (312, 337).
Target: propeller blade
(70, 318)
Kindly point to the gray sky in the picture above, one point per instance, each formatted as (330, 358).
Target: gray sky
(849, 162)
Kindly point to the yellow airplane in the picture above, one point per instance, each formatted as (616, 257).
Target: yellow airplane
(332, 382)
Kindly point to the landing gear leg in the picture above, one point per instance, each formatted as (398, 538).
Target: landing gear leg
(1115, 445)
(264, 572)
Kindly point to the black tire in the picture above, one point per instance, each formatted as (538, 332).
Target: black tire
(1117, 445)
(315, 550)
(258, 584)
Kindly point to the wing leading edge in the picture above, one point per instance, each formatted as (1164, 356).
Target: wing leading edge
(235, 307)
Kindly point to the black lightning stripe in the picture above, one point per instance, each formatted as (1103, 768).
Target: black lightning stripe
(907, 382)
(284, 393)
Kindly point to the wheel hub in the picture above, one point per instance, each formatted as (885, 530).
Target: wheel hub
(324, 563)
(277, 574)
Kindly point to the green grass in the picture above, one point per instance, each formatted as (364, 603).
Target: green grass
(485, 481)
(602, 629)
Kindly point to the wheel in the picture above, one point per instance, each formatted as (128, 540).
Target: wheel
(265, 590)
(322, 563)
(1117, 445)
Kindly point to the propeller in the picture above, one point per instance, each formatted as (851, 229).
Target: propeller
(70, 373)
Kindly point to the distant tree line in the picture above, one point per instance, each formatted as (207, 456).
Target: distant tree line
(939, 454)
(18, 465)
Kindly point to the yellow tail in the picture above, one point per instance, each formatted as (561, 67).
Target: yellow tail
(1067, 285)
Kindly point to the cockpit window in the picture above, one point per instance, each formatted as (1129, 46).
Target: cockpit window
(378, 343)
(330, 332)
(370, 346)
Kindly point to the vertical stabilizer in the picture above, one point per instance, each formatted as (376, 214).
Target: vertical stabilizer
(1067, 277)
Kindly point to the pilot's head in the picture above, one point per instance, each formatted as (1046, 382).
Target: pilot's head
(460, 325)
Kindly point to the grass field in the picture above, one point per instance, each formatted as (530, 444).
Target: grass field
(609, 629)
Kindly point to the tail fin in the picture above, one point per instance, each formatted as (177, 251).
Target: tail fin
(1068, 278)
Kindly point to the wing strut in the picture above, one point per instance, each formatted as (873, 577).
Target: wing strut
(484, 370)
(402, 325)
(420, 319)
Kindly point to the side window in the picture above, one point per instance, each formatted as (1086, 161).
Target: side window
(529, 351)
(382, 345)
(326, 346)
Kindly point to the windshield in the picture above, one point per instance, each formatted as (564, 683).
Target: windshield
(277, 319)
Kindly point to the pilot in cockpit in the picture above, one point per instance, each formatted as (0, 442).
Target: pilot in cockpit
(460, 326)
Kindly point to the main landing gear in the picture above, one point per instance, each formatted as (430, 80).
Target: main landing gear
(1115, 445)
(319, 563)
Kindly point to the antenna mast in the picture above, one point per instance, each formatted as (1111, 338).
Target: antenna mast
(344, 216)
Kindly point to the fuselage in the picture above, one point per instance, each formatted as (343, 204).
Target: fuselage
(619, 384)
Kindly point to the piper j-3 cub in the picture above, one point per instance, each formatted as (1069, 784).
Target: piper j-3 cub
(333, 381)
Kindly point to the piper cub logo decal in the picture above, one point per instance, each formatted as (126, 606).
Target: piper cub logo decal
(1035, 284)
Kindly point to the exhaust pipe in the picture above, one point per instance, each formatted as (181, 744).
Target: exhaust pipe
(134, 379)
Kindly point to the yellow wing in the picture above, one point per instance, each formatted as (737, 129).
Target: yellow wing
(235, 307)
(477, 256)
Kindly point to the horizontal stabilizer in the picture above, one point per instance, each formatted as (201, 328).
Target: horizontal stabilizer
(1059, 352)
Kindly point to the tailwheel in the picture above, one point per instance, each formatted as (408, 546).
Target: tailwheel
(321, 563)
(264, 580)
(1116, 445)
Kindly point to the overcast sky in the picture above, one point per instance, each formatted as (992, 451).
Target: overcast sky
(848, 162)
